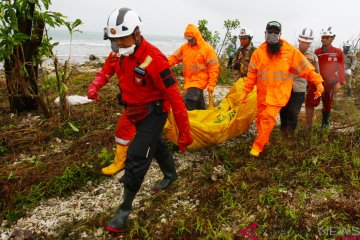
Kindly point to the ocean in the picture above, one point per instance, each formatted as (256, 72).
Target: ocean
(86, 43)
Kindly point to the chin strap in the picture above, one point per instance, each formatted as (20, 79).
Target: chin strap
(137, 43)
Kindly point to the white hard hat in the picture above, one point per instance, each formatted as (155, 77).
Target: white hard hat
(347, 44)
(328, 31)
(122, 22)
(245, 32)
(306, 35)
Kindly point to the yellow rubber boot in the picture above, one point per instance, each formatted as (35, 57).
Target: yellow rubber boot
(254, 153)
(119, 161)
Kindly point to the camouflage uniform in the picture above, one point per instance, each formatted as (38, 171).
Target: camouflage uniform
(350, 64)
(242, 59)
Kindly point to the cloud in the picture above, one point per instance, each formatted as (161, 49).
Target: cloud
(164, 17)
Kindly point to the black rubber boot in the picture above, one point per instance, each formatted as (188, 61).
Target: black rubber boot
(325, 120)
(118, 224)
(167, 167)
(349, 92)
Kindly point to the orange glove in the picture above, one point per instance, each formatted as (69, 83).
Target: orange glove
(319, 90)
(210, 89)
(243, 97)
(92, 92)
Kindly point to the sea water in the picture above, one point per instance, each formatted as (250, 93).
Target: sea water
(83, 44)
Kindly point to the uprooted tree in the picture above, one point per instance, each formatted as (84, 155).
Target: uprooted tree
(24, 45)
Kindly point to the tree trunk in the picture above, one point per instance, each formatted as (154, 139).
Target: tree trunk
(21, 74)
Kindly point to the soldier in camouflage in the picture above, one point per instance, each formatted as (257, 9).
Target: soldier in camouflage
(243, 54)
(350, 64)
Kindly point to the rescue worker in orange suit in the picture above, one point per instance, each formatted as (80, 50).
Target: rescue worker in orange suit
(289, 113)
(201, 67)
(272, 68)
(125, 130)
(148, 89)
(331, 63)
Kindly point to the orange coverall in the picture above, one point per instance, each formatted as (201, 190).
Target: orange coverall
(273, 75)
(201, 65)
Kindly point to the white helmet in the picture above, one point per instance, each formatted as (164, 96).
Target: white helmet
(347, 44)
(245, 32)
(306, 35)
(329, 31)
(122, 22)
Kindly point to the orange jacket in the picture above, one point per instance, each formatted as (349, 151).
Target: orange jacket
(273, 74)
(201, 65)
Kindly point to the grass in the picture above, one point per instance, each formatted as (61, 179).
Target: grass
(58, 157)
(297, 188)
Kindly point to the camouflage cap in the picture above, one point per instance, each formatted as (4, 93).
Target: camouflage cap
(273, 24)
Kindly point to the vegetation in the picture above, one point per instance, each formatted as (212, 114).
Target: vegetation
(214, 37)
(225, 75)
(298, 189)
(24, 45)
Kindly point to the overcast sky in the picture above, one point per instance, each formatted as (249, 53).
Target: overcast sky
(170, 17)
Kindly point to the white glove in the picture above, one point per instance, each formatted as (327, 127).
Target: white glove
(348, 72)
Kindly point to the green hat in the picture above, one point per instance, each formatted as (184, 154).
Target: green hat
(273, 24)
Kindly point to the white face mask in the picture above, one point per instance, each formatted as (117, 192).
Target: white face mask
(127, 51)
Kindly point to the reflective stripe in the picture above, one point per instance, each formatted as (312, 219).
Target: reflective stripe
(283, 76)
(215, 60)
(146, 62)
(262, 76)
(200, 66)
(197, 68)
(283, 79)
(214, 63)
(283, 73)
(330, 54)
(147, 153)
(252, 64)
(122, 141)
(304, 67)
(300, 64)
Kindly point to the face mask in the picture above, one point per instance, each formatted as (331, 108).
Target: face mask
(114, 47)
(192, 42)
(272, 38)
(127, 51)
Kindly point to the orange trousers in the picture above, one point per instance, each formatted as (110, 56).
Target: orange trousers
(265, 122)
